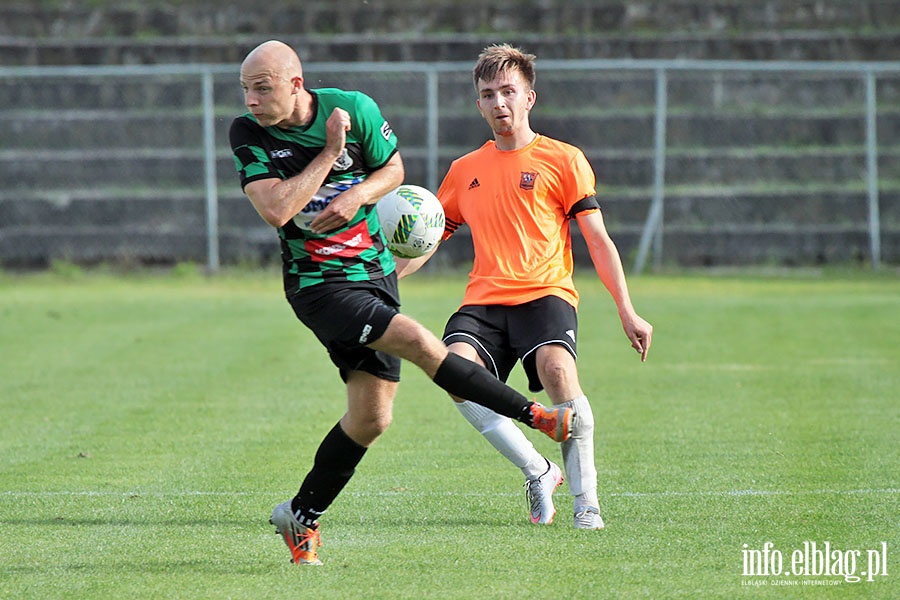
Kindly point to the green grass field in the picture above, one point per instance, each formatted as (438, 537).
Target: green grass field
(149, 425)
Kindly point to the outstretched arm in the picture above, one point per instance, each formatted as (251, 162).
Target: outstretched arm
(608, 265)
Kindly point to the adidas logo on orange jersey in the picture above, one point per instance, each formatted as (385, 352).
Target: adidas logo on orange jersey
(474, 184)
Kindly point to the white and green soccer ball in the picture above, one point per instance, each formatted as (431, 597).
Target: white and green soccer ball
(412, 220)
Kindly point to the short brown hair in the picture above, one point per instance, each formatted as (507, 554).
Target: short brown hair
(498, 58)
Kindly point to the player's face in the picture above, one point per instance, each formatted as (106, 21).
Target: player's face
(269, 97)
(505, 101)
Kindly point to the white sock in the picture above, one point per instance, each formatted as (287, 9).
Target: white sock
(503, 435)
(578, 454)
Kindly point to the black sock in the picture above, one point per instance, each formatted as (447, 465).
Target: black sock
(334, 465)
(470, 381)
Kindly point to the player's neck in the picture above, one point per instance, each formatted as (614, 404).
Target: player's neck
(303, 111)
(515, 141)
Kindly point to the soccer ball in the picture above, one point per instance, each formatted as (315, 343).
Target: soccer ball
(412, 219)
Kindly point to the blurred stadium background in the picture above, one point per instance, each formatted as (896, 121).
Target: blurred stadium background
(723, 132)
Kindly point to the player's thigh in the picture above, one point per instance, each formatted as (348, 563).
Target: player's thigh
(547, 328)
(408, 339)
(370, 402)
(344, 315)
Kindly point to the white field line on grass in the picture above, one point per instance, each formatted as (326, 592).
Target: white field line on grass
(402, 491)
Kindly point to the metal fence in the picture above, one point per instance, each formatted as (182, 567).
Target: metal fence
(698, 162)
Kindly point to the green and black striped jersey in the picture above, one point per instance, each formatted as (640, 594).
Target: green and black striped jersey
(356, 252)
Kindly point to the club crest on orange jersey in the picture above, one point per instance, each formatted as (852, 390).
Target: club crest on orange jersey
(527, 180)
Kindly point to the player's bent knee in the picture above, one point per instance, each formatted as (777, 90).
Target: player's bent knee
(557, 372)
(379, 424)
(553, 375)
(365, 431)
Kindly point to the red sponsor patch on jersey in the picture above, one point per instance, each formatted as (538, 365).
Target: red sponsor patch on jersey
(346, 244)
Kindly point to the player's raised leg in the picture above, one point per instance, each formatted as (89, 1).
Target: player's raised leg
(466, 380)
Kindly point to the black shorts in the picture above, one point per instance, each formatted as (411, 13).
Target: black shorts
(346, 316)
(504, 334)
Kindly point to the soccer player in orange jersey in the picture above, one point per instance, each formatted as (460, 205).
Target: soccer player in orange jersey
(519, 193)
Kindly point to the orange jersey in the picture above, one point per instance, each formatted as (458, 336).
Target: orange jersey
(518, 205)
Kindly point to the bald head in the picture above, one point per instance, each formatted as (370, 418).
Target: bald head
(274, 59)
(272, 80)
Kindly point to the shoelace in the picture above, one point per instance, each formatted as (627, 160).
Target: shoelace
(533, 489)
(307, 541)
(311, 535)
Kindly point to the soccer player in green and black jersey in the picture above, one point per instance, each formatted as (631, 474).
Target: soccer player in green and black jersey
(357, 252)
(313, 163)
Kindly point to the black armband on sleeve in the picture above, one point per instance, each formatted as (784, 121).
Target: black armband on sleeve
(584, 204)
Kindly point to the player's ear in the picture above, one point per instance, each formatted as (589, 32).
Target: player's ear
(296, 84)
(532, 96)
